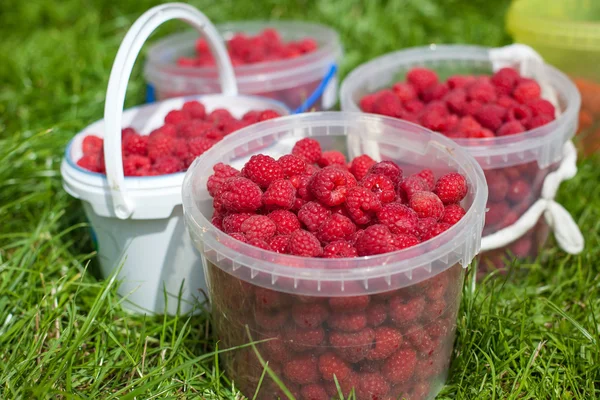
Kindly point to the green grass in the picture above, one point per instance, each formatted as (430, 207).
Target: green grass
(63, 333)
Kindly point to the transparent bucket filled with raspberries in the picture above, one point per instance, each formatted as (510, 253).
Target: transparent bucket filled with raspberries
(129, 167)
(567, 34)
(290, 61)
(319, 266)
(508, 109)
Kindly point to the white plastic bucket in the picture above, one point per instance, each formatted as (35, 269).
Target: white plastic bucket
(303, 83)
(137, 222)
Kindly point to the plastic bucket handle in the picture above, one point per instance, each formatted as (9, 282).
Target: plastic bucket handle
(119, 78)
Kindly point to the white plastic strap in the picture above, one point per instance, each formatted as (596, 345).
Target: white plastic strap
(565, 229)
(119, 78)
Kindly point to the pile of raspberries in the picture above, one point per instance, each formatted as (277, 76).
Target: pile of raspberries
(315, 204)
(186, 134)
(244, 49)
(465, 106)
(384, 346)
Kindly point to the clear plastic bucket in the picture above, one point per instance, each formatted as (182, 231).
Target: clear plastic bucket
(262, 295)
(567, 34)
(523, 159)
(137, 222)
(303, 83)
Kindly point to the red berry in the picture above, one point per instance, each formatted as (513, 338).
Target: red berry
(362, 204)
(175, 117)
(435, 92)
(280, 244)
(426, 227)
(168, 165)
(427, 204)
(400, 367)
(387, 103)
(308, 149)
(135, 165)
(268, 114)
(404, 91)
(482, 91)
(197, 146)
(387, 168)
(262, 170)
(414, 106)
(471, 107)
(275, 349)
(292, 165)
(526, 90)
(268, 299)
(305, 244)
(437, 229)
(410, 186)
(507, 102)
(360, 166)
(421, 78)
(398, 218)
(496, 212)
(93, 144)
(332, 157)
(451, 188)
(336, 227)
(348, 322)
(456, 100)
(302, 370)
(372, 386)
(387, 342)
(505, 79)
(312, 215)
(453, 213)
(280, 194)
(309, 315)
(518, 191)
(330, 186)
(520, 113)
(93, 163)
(376, 314)
(510, 128)
(349, 304)
(403, 241)
(222, 172)
(403, 312)
(238, 194)
(330, 366)
(538, 121)
(459, 81)
(381, 186)
(339, 249)
(285, 221)
(301, 340)
(194, 109)
(270, 320)
(427, 175)
(366, 102)
(258, 227)
(435, 120)
(313, 391)
(376, 239)
(490, 116)
(346, 385)
(541, 107)
(160, 146)
(352, 346)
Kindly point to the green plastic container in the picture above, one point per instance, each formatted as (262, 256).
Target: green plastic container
(567, 34)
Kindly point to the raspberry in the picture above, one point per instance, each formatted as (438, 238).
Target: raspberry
(133, 144)
(526, 90)
(251, 116)
(312, 215)
(133, 165)
(268, 299)
(519, 112)
(270, 320)
(410, 186)
(262, 170)
(420, 391)
(400, 366)
(518, 191)
(336, 227)
(507, 102)
(339, 249)
(427, 204)
(414, 106)
(426, 227)
(435, 92)
(309, 315)
(301, 183)
(453, 213)
(286, 221)
(404, 91)
(219, 117)
(541, 107)
(314, 392)
(538, 121)
(434, 310)
(302, 370)
(437, 286)
(275, 349)
(360, 166)
(403, 313)
(496, 212)
(303, 339)
(258, 227)
(490, 116)
(197, 146)
(332, 157)
(94, 162)
(521, 248)
(482, 91)
(168, 165)
(362, 204)
(348, 322)
(427, 175)
(387, 342)
(307, 149)
(387, 103)
(376, 314)
(268, 114)
(222, 172)
(421, 78)
(349, 304)
(352, 346)
(398, 218)
(279, 244)
(260, 243)
(238, 194)
(353, 238)
(197, 128)
(160, 146)
(403, 241)
(451, 188)
(366, 102)
(330, 186)
(381, 185)
(292, 165)
(372, 386)
(435, 120)
(331, 365)
(305, 244)
(437, 229)
(280, 194)
(459, 81)
(346, 385)
(456, 100)
(175, 117)
(497, 184)
(510, 128)
(93, 144)
(377, 239)
(194, 109)
(505, 79)
(471, 107)
(389, 169)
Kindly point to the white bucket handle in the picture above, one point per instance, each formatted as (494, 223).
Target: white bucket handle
(119, 78)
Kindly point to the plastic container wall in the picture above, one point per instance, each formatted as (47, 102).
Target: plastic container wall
(567, 34)
(300, 305)
(309, 80)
